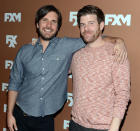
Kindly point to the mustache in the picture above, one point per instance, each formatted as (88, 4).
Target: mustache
(48, 28)
(86, 32)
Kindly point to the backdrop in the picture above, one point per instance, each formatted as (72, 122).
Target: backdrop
(17, 28)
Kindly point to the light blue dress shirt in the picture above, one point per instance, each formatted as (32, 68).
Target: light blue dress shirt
(41, 78)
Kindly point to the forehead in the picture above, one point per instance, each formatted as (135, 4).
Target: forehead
(88, 17)
(51, 15)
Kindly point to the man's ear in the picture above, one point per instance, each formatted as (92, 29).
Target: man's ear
(102, 24)
(37, 25)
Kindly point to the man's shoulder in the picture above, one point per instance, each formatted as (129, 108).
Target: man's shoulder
(75, 42)
(80, 52)
(26, 47)
(109, 47)
(72, 39)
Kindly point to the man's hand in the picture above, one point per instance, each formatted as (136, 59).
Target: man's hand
(115, 124)
(112, 130)
(11, 122)
(119, 49)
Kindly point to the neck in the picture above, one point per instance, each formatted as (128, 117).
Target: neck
(44, 43)
(97, 43)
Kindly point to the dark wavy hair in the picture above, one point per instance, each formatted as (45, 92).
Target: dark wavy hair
(91, 9)
(41, 12)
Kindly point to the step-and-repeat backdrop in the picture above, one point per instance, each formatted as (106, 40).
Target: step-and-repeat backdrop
(122, 19)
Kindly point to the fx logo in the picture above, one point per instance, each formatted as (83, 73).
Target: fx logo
(34, 39)
(113, 19)
(5, 87)
(11, 40)
(119, 19)
(8, 64)
(12, 17)
(4, 129)
(73, 18)
(5, 108)
(70, 76)
(66, 124)
(70, 99)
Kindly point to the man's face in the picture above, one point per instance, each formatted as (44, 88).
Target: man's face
(90, 30)
(48, 26)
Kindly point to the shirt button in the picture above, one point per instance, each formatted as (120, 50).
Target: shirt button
(43, 69)
(42, 59)
(42, 88)
(41, 98)
(42, 78)
(57, 58)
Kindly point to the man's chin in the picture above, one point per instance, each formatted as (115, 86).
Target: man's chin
(87, 41)
(47, 38)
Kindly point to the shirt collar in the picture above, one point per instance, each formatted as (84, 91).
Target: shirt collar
(52, 42)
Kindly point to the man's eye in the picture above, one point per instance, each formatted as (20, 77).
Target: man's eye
(91, 23)
(81, 25)
(54, 21)
(44, 20)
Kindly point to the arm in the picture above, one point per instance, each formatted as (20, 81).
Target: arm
(16, 77)
(121, 80)
(115, 124)
(11, 122)
(119, 49)
(70, 69)
(69, 73)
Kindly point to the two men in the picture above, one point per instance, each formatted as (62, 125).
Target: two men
(38, 79)
(101, 86)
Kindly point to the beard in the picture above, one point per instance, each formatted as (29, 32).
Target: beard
(40, 34)
(92, 38)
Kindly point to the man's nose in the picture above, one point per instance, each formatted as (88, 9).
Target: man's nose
(48, 24)
(86, 27)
